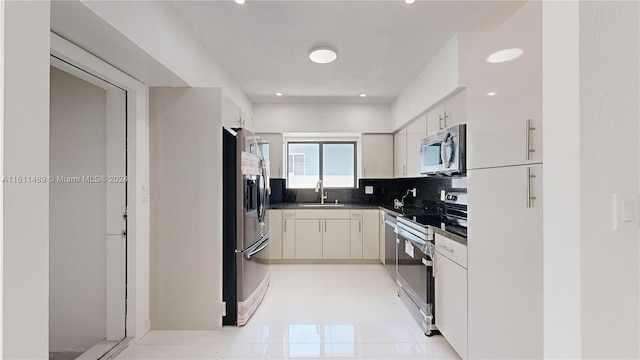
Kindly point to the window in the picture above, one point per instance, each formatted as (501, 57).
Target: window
(332, 162)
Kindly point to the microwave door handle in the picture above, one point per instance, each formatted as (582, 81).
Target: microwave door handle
(443, 153)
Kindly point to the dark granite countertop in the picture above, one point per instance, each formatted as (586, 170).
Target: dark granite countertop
(315, 206)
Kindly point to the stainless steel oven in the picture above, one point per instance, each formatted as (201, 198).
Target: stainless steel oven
(415, 250)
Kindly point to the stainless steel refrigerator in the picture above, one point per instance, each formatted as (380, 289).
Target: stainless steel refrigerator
(245, 225)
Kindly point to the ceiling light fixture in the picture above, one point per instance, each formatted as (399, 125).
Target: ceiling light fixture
(323, 55)
(363, 95)
(278, 94)
(505, 55)
(409, 1)
(491, 93)
(239, 2)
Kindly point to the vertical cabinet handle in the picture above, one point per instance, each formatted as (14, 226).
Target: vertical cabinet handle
(439, 122)
(359, 226)
(445, 120)
(528, 139)
(530, 196)
(285, 226)
(435, 263)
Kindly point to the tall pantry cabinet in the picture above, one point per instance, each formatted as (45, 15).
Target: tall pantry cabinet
(504, 179)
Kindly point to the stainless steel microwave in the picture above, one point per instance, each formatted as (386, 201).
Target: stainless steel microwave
(444, 153)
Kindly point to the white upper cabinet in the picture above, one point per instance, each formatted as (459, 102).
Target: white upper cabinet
(435, 118)
(416, 131)
(400, 153)
(377, 156)
(502, 97)
(276, 146)
(455, 109)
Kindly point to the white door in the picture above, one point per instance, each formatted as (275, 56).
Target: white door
(505, 262)
(87, 207)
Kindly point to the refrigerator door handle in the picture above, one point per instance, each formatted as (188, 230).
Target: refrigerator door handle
(257, 250)
(251, 250)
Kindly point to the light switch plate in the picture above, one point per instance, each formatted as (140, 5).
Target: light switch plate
(368, 190)
(625, 212)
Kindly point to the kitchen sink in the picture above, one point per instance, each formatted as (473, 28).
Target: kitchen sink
(322, 205)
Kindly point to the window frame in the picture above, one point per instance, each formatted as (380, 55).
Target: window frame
(321, 158)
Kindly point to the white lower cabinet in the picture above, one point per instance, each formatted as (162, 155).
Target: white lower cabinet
(275, 234)
(288, 234)
(370, 234)
(335, 239)
(451, 293)
(325, 234)
(381, 239)
(308, 240)
(356, 239)
(505, 263)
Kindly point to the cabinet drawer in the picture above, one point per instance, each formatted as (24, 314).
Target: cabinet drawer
(356, 214)
(452, 250)
(322, 214)
(289, 214)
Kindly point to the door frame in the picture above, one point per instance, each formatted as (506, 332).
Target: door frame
(137, 192)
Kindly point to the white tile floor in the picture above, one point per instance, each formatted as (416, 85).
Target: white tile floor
(310, 311)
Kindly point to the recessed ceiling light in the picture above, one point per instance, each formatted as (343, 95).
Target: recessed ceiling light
(409, 1)
(491, 93)
(323, 55)
(278, 94)
(239, 2)
(363, 95)
(505, 55)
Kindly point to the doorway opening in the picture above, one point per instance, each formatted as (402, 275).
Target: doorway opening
(88, 214)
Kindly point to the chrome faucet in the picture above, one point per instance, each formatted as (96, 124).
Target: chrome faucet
(323, 195)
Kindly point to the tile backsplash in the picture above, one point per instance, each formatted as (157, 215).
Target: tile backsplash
(384, 192)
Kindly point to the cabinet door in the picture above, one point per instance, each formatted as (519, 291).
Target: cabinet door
(289, 239)
(356, 239)
(370, 234)
(400, 153)
(416, 131)
(308, 239)
(455, 109)
(504, 261)
(276, 147)
(377, 156)
(451, 302)
(275, 234)
(336, 239)
(435, 119)
(496, 126)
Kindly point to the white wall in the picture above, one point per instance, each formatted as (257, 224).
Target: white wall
(561, 182)
(155, 27)
(436, 81)
(609, 96)
(1, 169)
(322, 118)
(77, 250)
(186, 217)
(26, 206)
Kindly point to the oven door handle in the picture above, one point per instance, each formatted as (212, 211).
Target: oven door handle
(407, 235)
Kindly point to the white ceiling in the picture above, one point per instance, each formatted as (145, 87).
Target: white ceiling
(382, 45)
